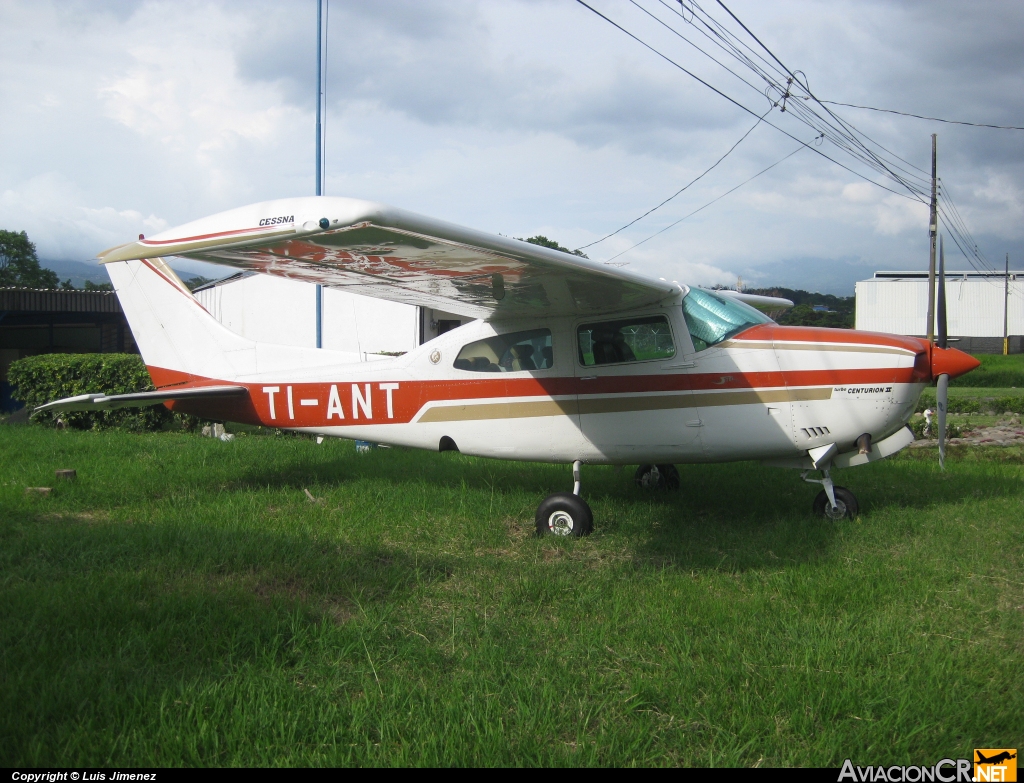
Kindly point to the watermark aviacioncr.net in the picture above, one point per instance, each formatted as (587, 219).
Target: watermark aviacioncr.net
(990, 765)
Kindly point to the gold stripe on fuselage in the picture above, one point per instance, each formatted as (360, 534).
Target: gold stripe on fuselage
(618, 404)
(824, 347)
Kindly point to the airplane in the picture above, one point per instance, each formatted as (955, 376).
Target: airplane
(996, 759)
(567, 361)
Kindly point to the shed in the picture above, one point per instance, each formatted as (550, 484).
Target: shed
(897, 303)
(36, 321)
(275, 309)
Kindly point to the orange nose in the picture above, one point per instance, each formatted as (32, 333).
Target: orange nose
(951, 362)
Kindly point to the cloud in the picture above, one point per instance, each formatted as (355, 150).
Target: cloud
(518, 116)
(50, 210)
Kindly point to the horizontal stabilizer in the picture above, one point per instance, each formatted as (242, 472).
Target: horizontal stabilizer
(103, 402)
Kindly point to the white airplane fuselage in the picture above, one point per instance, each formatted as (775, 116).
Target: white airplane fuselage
(768, 392)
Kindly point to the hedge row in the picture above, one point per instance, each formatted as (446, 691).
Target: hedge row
(42, 379)
(974, 404)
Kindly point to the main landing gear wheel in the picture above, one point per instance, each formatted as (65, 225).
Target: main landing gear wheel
(564, 514)
(846, 505)
(657, 477)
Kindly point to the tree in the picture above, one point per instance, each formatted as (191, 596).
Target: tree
(19, 265)
(194, 282)
(839, 312)
(543, 241)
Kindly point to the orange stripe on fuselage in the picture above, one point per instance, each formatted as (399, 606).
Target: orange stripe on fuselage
(235, 232)
(411, 396)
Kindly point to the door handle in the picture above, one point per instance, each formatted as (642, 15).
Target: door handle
(588, 377)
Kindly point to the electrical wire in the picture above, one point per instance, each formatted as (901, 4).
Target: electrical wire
(922, 117)
(805, 87)
(785, 90)
(708, 204)
(719, 35)
(953, 216)
(914, 196)
(682, 189)
(953, 220)
(770, 74)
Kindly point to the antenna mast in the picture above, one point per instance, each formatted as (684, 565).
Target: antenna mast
(319, 93)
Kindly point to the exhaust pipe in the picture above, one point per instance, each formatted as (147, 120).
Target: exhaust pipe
(864, 443)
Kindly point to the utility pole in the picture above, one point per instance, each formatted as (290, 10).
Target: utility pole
(1006, 308)
(932, 230)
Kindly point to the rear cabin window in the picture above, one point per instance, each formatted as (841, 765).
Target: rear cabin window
(629, 340)
(712, 318)
(516, 352)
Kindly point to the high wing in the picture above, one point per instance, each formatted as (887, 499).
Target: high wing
(766, 304)
(99, 402)
(380, 251)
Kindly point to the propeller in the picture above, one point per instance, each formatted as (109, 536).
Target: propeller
(946, 362)
(942, 387)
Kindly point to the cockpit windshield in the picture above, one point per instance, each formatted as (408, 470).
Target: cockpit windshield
(712, 318)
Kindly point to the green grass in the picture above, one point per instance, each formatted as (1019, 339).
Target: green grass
(984, 392)
(183, 602)
(996, 371)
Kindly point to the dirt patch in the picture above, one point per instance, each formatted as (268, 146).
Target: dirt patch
(80, 517)
(519, 529)
(1008, 432)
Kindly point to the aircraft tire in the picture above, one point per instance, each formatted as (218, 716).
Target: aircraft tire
(668, 477)
(564, 514)
(846, 502)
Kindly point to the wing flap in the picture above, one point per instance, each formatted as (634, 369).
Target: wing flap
(102, 402)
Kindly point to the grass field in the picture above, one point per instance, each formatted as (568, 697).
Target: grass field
(183, 602)
(996, 371)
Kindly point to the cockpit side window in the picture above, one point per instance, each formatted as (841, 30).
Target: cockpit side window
(712, 318)
(629, 340)
(515, 352)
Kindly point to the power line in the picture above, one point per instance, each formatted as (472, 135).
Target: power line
(786, 90)
(718, 198)
(792, 78)
(922, 117)
(685, 187)
(846, 138)
(915, 196)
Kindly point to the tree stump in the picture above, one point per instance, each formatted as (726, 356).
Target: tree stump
(66, 475)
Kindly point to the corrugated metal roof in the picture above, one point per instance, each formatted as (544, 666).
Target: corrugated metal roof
(969, 275)
(47, 301)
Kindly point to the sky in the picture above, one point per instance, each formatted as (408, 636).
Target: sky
(517, 117)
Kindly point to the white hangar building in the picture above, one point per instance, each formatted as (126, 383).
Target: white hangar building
(897, 303)
(290, 312)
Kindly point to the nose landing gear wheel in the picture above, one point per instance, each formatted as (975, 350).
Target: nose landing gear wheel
(657, 477)
(564, 514)
(846, 505)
